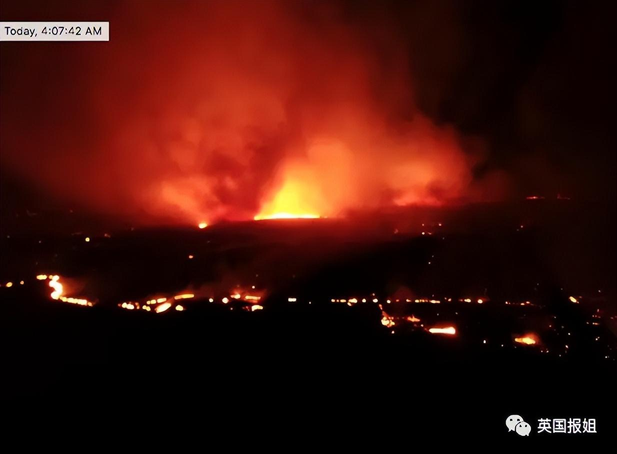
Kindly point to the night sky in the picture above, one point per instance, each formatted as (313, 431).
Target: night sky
(520, 96)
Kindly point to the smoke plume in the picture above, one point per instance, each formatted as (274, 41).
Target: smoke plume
(202, 111)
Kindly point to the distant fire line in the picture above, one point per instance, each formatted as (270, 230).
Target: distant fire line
(286, 216)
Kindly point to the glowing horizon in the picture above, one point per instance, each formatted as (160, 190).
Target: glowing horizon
(286, 216)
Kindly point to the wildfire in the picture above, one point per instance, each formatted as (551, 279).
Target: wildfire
(252, 298)
(529, 339)
(162, 308)
(184, 296)
(202, 225)
(56, 286)
(286, 216)
(58, 292)
(450, 330)
(294, 200)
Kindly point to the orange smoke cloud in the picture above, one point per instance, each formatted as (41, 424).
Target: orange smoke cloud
(240, 109)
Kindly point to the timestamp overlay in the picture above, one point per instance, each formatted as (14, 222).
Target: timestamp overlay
(54, 31)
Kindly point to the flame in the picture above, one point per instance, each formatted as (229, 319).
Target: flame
(294, 200)
(57, 287)
(202, 225)
(252, 298)
(386, 320)
(184, 296)
(58, 292)
(316, 129)
(450, 330)
(529, 339)
(286, 216)
(162, 308)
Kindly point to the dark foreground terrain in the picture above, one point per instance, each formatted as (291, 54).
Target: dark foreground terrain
(319, 355)
(325, 366)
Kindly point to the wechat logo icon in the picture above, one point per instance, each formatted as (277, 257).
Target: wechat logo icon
(516, 423)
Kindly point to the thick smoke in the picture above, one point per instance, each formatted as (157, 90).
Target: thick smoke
(199, 111)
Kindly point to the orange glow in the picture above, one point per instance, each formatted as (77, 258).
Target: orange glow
(256, 307)
(252, 298)
(529, 339)
(225, 300)
(184, 296)
(296, 199)
(202, 225)
(574, 300)
(308, 134)
(286, 216)
(179, 308)
(57, 288)
(450, 330)
(162, 308)
(78, 301)
(387, 321)
(161, 300)
(58, 293)
(9, 284)
(41, 277)
(413, 319)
